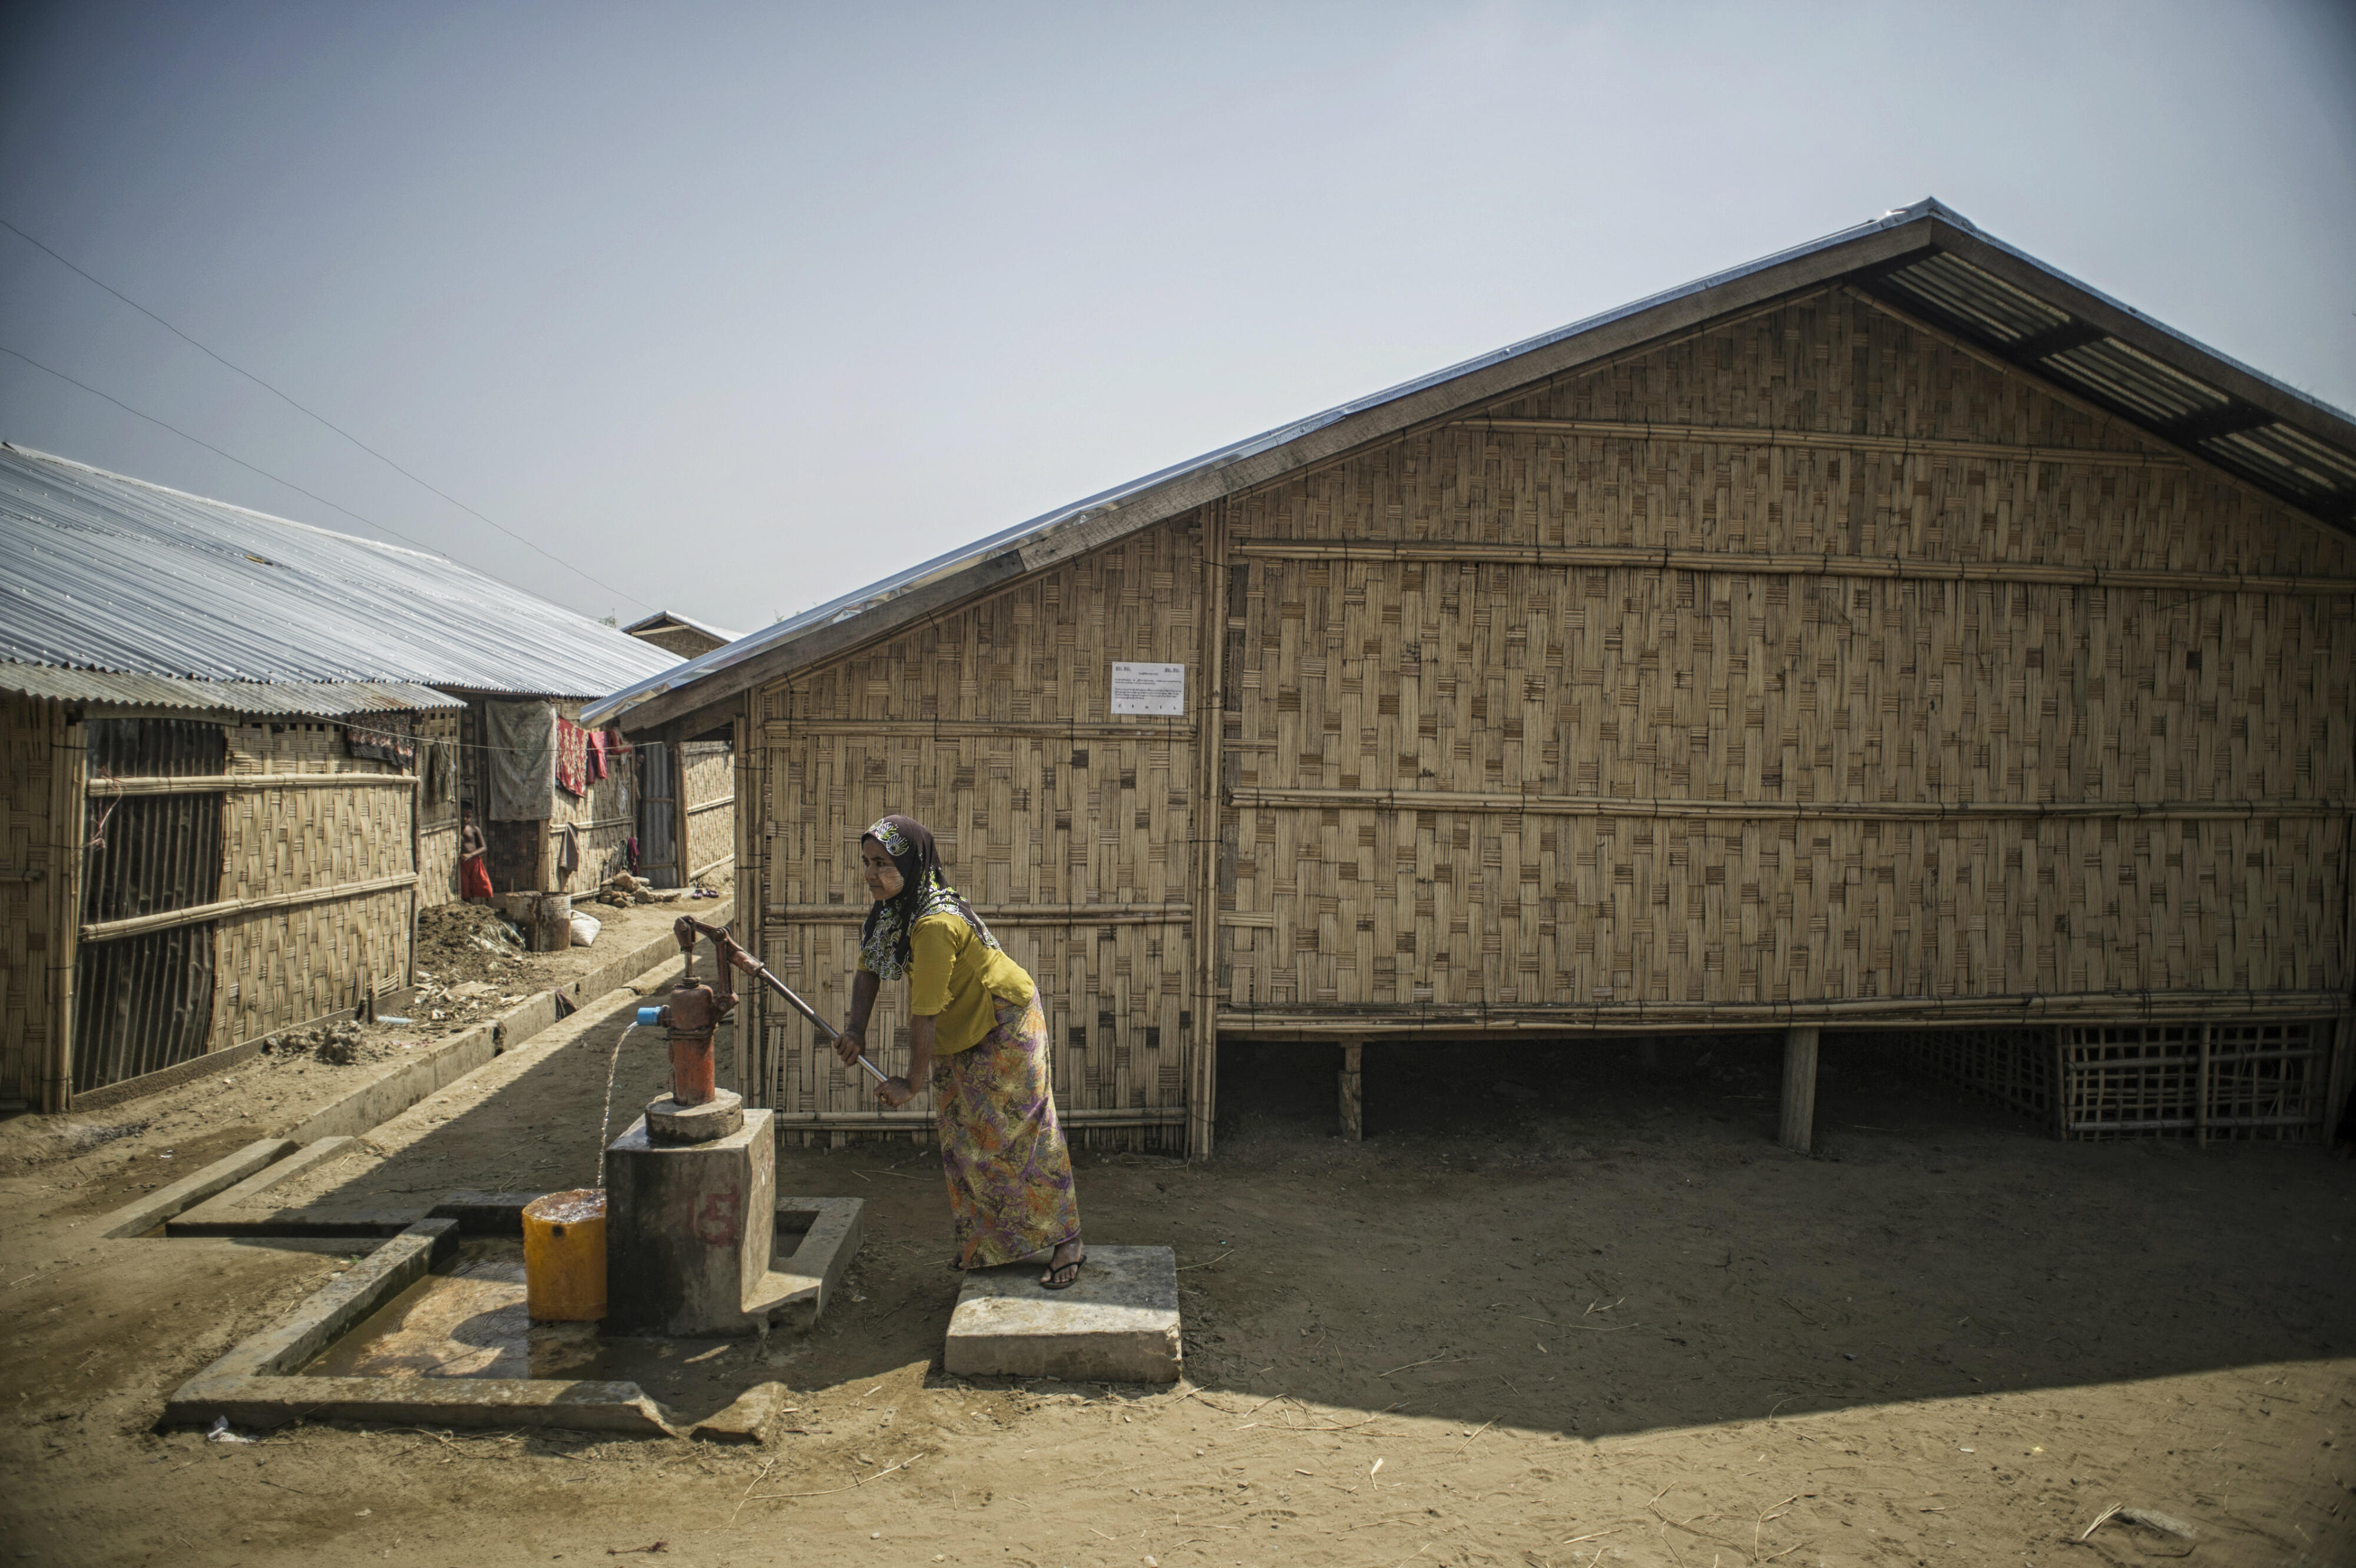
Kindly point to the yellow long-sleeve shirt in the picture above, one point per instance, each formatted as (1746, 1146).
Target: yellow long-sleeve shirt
(957, 980)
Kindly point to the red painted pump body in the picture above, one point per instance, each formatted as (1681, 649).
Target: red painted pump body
(694, 1014)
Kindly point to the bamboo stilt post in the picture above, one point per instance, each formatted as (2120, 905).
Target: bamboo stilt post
(1798, 1132)
(755, 1071)
(679, 819)
(1353, 1117)
(1210, 731)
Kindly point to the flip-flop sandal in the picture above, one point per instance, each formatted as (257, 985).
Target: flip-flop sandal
(1052, 1282)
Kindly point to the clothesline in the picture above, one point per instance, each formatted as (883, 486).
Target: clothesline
(620, 747)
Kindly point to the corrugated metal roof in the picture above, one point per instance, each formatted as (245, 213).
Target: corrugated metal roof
(105, 574)
(2044, 333)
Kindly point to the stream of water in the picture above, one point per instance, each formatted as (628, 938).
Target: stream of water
(607, 1121)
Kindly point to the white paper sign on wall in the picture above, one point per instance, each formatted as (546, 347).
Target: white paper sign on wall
(1149, 689)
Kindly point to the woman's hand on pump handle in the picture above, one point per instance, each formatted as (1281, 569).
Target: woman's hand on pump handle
(895, 1092)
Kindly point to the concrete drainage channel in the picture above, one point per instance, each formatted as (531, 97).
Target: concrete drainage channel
(271, 1380)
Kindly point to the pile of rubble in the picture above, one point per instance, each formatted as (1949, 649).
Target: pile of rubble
(454, 1004)
(458, 942)
(338, 1044)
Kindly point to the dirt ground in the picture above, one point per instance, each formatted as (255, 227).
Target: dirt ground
(1586, 1314)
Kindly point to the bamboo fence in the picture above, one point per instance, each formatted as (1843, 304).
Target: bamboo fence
(707, 785)
(322, 874)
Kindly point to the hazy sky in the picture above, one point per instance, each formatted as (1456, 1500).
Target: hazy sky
(737, 308)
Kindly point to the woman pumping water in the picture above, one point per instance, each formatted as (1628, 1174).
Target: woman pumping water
(977, 1031)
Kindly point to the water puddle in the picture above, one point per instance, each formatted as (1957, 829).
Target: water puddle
(467, 1319)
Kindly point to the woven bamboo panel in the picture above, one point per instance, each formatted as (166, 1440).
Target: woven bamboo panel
(29, 737)
(1497, 680)
(708, 773)
(1033, 813)
(438, 866)
(284, 967)
(607, 819)
(279, 967)
(1461, 910)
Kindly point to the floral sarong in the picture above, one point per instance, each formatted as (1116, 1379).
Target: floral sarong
(1010, 1175)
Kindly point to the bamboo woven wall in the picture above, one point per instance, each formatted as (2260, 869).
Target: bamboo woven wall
(607, 819)
(30, 734)
(1620, 749)
(991, 727)
(278, 967)
(708, 778)
(440, 767)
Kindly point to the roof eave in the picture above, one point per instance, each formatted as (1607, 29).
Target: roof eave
(2151, 337)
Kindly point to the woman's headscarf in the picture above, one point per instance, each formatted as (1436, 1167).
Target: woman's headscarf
(925, 890)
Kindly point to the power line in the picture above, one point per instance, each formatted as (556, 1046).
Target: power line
(215, 450)
(301, 409)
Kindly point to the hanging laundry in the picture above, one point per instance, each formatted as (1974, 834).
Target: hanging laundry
(572, 756)
(568, 852)
(387, 737)
(598, 739)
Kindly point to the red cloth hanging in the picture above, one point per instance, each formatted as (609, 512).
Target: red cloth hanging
(572, 756)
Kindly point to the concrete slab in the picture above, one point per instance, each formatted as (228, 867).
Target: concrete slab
(747, 1420)
(816, 1239)
(220, 1216)
(1117, 1324)
(142, 1215)
(260, 1383)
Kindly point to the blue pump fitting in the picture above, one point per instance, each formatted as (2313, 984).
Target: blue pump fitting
(652, 1017)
